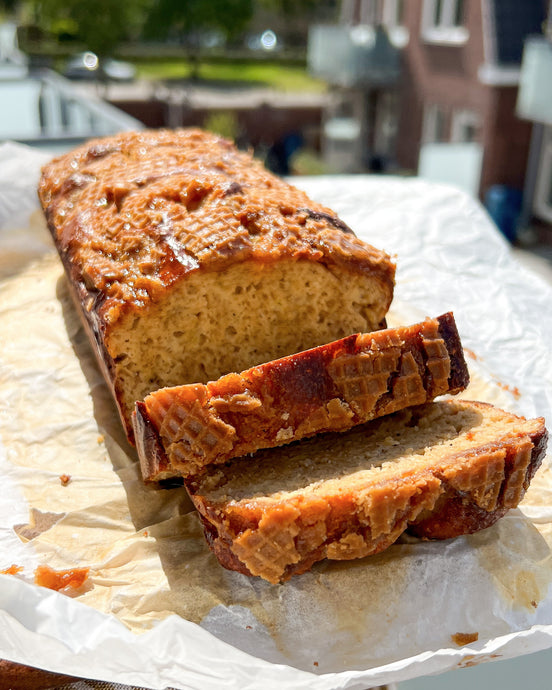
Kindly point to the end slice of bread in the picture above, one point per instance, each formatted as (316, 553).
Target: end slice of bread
(183, 429)
(438, 470)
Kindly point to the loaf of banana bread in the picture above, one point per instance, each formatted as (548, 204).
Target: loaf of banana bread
(183, 429)
(438, 470)
(189, 260)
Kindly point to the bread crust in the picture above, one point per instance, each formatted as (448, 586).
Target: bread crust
(136, 214)
(466, 487)
(181, 430)
(15, 676)
(458, 512)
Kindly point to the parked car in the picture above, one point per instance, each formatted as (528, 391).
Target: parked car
(88, 65)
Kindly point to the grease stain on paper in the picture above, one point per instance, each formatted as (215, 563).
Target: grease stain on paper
(518, 559)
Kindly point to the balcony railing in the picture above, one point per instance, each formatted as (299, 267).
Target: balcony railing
(45, 110)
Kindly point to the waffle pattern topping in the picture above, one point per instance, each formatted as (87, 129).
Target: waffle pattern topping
(442, 476)
(137, 211)
(329, 388)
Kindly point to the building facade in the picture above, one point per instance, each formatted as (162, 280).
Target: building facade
(455, 95)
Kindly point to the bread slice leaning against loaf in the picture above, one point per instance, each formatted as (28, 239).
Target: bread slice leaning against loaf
(188, 260)
(438, 470)
(183, 429)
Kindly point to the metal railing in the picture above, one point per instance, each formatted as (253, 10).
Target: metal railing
(44, 109)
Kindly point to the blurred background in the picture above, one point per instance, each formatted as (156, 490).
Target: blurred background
(458, 91)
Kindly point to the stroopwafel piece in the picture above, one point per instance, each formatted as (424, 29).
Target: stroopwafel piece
(181, 430)
(439, 470)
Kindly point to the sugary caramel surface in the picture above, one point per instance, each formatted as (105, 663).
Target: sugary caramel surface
(136, 212)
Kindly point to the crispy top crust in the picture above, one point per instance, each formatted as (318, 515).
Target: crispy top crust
(134, 213)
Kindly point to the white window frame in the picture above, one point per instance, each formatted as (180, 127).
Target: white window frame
(461, 120)
(542, 203)
(432, 112)
(390, 13)
(445, 31)
(392, 21)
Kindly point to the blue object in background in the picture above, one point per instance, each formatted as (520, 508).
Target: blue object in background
(504, 206)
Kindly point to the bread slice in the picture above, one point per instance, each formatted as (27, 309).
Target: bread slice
(188, 260)
(438, 470)
(333, 387)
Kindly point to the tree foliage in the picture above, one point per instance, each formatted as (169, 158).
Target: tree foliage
(100, 25)
(189, 19)
(8, 5)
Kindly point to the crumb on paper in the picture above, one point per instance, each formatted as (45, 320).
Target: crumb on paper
(39, 522)
(100, 439)
(462, 639)
(12, 570)
(510, 389)
(315, 663)
(471, 353)
(64, 581)
(65, 479)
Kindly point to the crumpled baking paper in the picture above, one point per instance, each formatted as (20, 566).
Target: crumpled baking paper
(157, 609)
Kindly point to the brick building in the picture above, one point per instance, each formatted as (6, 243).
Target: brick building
(457, 85)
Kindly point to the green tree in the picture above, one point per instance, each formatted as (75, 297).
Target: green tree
(100, 25)
(189, 20)
(8, 6)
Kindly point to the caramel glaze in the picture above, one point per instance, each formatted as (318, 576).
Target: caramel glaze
(135, 213)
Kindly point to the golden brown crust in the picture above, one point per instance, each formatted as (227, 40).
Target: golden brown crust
(137, 212)
(329, 388)
(19, 677)
(476, 469)
(460, 511)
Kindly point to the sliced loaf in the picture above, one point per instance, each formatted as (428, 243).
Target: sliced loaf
(439, 470)
(333, 387)
(188, 260)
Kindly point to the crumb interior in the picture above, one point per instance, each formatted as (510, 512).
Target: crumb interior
(392, 446)
(219, 322)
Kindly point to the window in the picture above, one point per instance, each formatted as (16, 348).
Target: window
(386, 123)
(434, 125)
(443, 22)
(392, 19)
(392, 13)
(465, 126)
(542, 204)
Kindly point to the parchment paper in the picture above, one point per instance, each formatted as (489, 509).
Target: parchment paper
(157, 609)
